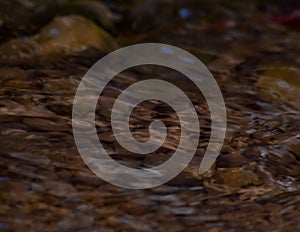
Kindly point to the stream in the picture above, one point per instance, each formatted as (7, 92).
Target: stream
(252, 49)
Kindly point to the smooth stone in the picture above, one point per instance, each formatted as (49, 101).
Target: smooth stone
(62, 36)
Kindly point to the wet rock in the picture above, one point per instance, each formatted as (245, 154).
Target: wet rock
(231, 160)
(237, 177)
(76, 199)
(252, 154)
(73, 33)
(293, 145)
(63, 35)
(36, 187)
(62, 109)
(135, 208)
(19, 49)
(281, 84)
(25, 17)
(59, 189)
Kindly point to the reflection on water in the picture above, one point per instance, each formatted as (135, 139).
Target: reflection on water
(45, 184)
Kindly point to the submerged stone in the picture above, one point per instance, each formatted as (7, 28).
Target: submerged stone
(237, 177)
(281, 84)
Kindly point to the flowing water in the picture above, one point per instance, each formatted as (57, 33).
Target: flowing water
(253, 53)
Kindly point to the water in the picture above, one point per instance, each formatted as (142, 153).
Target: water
(45, 184)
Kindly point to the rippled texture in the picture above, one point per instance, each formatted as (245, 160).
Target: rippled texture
(252, 51)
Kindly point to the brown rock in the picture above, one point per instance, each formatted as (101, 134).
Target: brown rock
(237, 177)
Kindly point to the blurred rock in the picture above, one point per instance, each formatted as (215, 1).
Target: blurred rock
(62, 36)
(25, 17)
(281, 84)
(237, 177)
(231, 160)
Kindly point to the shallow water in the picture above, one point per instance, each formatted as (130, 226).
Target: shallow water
(254, 184)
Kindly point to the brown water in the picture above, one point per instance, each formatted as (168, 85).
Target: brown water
(254, 185)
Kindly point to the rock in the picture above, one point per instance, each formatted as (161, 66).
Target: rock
(135, 208)
(73, 33)
(25, 17)
(17, 49)
(62, 36)
(236, 177)
(293, 145)
(59, 189)
(252, 154)
(281, 84)
(231, 160)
